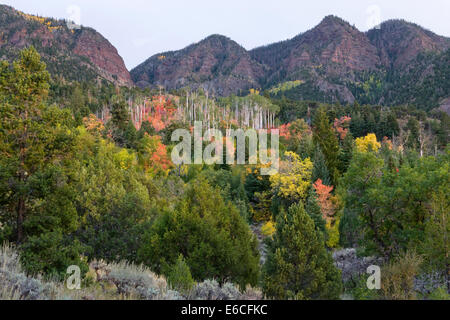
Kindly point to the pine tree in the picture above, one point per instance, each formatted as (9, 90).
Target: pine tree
(122, 128)
(325, 138)
(36, 142)
(32, 134)
(214, 239)
(391, 127)
(179, 276)
(314, 211)
(120, 114)
(298, 265)
(346, 153)
(320, 170)
(413, 127)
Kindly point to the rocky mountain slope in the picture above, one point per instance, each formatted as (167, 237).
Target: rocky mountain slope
(399, 42)
(333, 45)
(78, 54)
(397, 63)
(216, 63)
(334, 61)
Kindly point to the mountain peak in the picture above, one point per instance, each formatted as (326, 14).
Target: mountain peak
(218, 40)
(334, 20)
(399, 41)
(215, 63)
(85, 54)
(217, 36)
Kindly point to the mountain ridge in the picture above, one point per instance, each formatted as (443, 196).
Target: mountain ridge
(216, 61)
(397, 63)
(74, 54)
(334, 59)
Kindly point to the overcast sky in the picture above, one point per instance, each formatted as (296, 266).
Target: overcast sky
(142, 28)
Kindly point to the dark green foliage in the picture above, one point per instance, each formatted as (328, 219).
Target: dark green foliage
(211, 235)
(435, 248)
(291, 110)
(413, 133)
(325, 138)
(320, 170)
(231, 185)
(390, 127)
(314, 211)
(350, 229)
(38, 140)
(69, 195)
(346, 154)
(121, 127)
(179, 276)
(52, 253)
(298, 265)
(424, 83)
(116, 235)
(391, 204)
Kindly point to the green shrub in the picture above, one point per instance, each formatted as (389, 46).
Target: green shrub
(179, 276)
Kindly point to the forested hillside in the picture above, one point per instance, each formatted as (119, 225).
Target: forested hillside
(78, 54)
(102, 192)
(398, 63)
(88, 176)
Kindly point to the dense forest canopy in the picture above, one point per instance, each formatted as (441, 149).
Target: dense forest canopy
(86, 177)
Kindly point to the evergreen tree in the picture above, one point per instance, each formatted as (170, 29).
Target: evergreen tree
(320, 170)
(325, 137)
(391, 128)
(356, 125)
(120, 116)
(122, 129)
(78, 104)
(345, 156)
(214, 239)
(36, 143)
(371, 124)
(179, 276)
(413, 133)
(298, 265)
(314, 211)
(435, 248)
(32, 134)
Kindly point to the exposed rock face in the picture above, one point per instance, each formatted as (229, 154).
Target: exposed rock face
(394, 64)
(351, 266)
(104, 55)
(428, 282)
(335, 54)
(445, 106)
(399, 42)
(262, 246)
(334, 60)
(333, 41)
(216, 63)
(82, 54)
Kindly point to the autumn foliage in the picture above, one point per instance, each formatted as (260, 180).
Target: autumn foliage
(324, 196)
(153, 154)
(93, 124)
(159, 112)
(368, 143)
(341, 126)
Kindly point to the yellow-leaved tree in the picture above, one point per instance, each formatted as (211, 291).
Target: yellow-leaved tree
(368, 143)
(293, 179)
